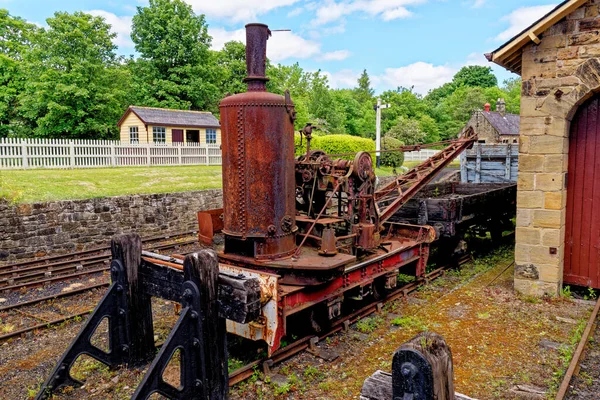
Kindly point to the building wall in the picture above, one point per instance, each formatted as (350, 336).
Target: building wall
(486, 133)
(169, 133)
(559, 74)
(133, 120)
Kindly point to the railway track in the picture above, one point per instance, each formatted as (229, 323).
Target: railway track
(74, 265)
(565, 385)
(285, 353)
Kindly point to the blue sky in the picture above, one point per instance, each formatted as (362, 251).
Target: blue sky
(419, 43)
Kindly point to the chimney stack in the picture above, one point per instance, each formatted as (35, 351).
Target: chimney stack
(501, 107)
(487, 107)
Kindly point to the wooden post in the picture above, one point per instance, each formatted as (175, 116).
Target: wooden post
(203, 268)
(478, 164)
(425, 359)
(128, 249)
(463, 167)
(24, 163)
(421, 369)
(508, 161)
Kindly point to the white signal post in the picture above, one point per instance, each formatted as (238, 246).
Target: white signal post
(378, 108)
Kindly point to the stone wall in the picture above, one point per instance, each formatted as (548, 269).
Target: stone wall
(559, 74)
(483, 128)
(29, 230)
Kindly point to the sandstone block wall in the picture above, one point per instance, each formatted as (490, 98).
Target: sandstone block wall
(559, 74)
(29, 230)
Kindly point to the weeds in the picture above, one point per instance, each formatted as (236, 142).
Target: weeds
(565, 356)
(368, 325)
(409, 322)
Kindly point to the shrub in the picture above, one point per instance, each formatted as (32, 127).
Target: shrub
(336, 144)
(392, 159)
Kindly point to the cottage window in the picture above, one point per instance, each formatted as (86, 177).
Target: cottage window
(159, 134)
(211, 136)
(134, 135)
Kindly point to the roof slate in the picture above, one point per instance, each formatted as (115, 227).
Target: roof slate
(164, 116)
(509, 124)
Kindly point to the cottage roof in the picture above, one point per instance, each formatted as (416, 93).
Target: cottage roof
(168, 117)
(508, 124)
(509, 54)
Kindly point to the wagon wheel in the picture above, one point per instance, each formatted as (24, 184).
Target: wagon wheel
(363, 165)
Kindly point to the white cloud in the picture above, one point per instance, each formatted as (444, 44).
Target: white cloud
(281, 45)
(338, 55)
(388, 10)
(237, 10)
(295, 12)
(423, 76)
(345, 78)
(522, 18)
(327, 31)
(120, 25)
(479, 3)
(477, 59)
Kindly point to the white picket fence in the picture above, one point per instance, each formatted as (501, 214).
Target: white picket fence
(420, 155)
(59, 153)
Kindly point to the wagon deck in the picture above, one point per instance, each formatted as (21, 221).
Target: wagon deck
(451, 207)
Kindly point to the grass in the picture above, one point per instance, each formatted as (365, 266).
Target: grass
(31, 186)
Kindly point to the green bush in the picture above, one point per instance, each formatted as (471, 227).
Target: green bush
(392, 159)
(336, 144)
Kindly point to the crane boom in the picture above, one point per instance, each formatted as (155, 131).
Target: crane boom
(390, 198)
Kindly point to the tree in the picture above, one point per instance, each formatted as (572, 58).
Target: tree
(175, 68)
(364, 93)
(231, 62)
(15, 40)
(75, 85)
(408, 131)
(475, 76)
(393, 158)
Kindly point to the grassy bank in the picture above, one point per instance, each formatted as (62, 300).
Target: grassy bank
(30, 186)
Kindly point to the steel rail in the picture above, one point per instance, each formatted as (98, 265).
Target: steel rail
(564, 386)
(74, 264)
(45, 260)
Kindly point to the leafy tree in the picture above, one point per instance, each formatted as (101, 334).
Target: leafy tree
(175, 69)
(364, 92)
(475, 76)
(15, 40)
(75, 83)
(393, 158)
(15, 35)
(430, 127)
(408, 131)
(231, 62)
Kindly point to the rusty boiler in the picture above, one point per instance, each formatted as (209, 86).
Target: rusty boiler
(258, 163)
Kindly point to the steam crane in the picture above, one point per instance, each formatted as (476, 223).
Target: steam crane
(313, 229)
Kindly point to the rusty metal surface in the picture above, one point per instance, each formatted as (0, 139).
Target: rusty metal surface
(268, 327)
(397, 193)
(209, 223)
(258, 163)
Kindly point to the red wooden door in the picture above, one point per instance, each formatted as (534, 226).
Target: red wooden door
(177, 135)
(582, 235)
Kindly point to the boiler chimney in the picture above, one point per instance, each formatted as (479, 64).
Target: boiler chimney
(256, 56)
(501, 107)
(487, 107)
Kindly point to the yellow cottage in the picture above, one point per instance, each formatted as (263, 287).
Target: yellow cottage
(142, 125)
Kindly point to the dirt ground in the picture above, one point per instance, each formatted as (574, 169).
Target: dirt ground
(498, 340)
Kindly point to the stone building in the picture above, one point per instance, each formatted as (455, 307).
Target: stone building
(494, 127)
(558, 201)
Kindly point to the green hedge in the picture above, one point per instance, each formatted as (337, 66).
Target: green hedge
(392, 159)
(336, 144)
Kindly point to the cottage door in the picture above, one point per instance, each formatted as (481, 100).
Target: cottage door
(177, 135)
(582, 235)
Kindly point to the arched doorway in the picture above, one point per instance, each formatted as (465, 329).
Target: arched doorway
(582, 234)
